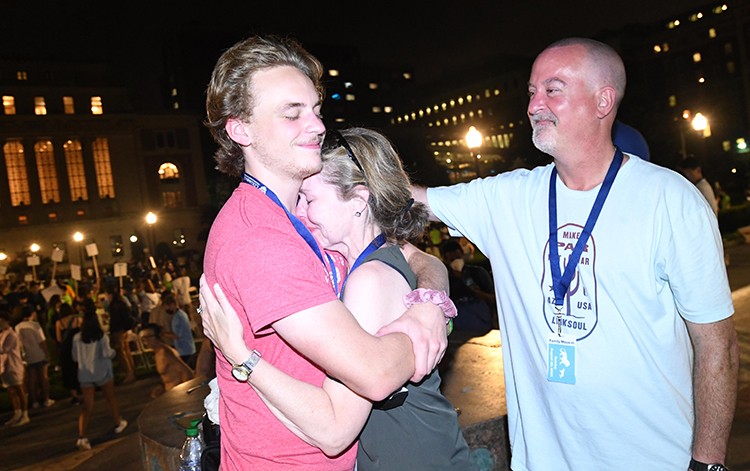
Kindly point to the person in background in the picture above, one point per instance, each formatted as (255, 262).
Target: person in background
(36, 355)
(149, 299)
(692, 170)
(169, 365)
(66, 327)
(120, 322)
(92, 352)
(12, 371)
(181, 288)
(606, 305)
(181, 334)
(471, 289)
(630, 140)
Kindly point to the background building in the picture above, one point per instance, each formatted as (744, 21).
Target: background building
(77, 158)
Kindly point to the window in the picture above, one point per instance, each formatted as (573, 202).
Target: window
(40, 107)
(172, 199)
(45, 166)
(9, 104)
(103, 168)
(696, 57)
(23, 219)
(96, 105)
(168, 172)
(68, 105)
(22, 75)
(76, 173)
(165, 139)
(16, 168)
(52, 217)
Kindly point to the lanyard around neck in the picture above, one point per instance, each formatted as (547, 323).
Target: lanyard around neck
(560, 283)
(301, 229)
(376, 243)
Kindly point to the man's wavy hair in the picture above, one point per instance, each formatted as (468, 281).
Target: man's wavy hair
(229, 93)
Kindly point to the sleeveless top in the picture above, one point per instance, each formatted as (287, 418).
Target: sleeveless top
(422, 433)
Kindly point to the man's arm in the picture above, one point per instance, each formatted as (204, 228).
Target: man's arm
(715, 373)
(419, 193)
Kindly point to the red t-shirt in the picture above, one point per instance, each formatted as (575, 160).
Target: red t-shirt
(268, 272)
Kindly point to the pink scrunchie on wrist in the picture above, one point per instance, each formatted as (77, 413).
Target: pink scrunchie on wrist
(438, 298)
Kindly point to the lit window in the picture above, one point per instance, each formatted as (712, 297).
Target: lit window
(443, 106)
(696, 57)
(340, 120)
(350, 97)
(174, 92)
(45, 167)
(176, 106)
(171, 199)
(702, 80)
(461, 101)
(377, 109)
(333, 73)
(80, 213)
(17, 177)
(497, 92)
(103, 168)
(452, 103)
(672, 100)
(52, 217)
(96, 105)
(40, 107)
(407, 76)
(168, 172)
(468, 98)
(373, 86)
(68, 105)
(712, 33)
(388, 109)
(728, 49)
(657, 48)
(487, 93)
(730, 67)
(413, 116)
(348, 85)
(76, 173)
(428, 111)
(21, 75)
(23, 220)
(421, 113)
(665, 47)
(9, 104)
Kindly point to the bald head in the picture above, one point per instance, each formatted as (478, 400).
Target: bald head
(603, 62)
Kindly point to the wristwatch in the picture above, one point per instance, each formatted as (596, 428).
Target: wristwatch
(698, 466)
(243, 371)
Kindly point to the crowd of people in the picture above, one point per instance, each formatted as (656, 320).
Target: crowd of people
(85, 330)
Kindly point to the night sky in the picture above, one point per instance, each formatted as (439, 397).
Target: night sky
(432, 37)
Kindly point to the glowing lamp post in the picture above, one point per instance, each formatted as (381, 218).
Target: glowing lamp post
(473, 141)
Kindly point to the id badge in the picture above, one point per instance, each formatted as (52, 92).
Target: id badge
(561, 359)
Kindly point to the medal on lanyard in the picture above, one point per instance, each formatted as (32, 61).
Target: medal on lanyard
(301, 229)
(376, 243)
(561, 348)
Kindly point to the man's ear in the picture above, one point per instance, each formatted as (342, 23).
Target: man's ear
(237, 131)
(606, 101)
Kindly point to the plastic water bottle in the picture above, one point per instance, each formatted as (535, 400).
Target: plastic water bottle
(190, 456)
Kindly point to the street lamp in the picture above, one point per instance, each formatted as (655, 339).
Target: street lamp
(78, 238)
(473, 141)
(34, 248)
(151, 220)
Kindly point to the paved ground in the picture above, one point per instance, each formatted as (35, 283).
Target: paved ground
(472, 380)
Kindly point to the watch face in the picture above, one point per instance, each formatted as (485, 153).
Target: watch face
(240, 373)
(717, 467)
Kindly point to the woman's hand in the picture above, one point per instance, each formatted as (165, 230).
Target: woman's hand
(221, 324)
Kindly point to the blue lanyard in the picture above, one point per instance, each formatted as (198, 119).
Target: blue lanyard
(376, 243)
(301, 229)
(560, 284)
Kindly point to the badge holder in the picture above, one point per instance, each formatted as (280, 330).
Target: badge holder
(561, 354)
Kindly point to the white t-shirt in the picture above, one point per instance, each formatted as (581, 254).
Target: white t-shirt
(654, 257)
(31, 335)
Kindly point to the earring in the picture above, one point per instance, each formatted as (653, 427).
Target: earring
(357, 214)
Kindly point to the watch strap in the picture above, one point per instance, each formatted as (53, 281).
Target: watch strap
(696, 465)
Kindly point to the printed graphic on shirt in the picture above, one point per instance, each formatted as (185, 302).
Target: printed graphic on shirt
(580, 312)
